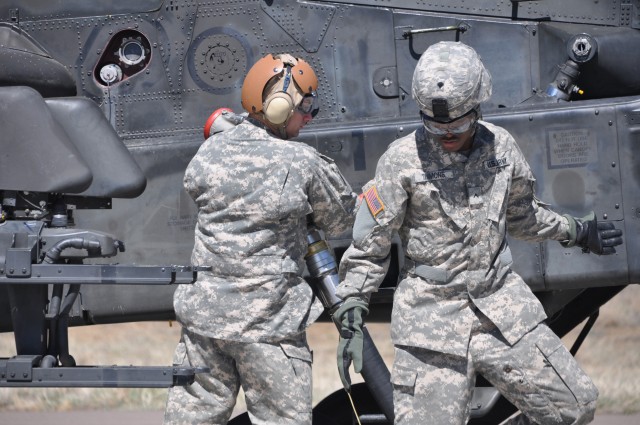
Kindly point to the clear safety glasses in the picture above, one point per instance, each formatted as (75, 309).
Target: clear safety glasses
(457, 126)
(309, 105)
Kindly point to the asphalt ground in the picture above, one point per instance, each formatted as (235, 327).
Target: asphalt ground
(154, 417)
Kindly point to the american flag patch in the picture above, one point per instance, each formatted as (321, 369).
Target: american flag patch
(373, 201)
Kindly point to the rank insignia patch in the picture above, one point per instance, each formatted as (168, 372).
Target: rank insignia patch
(373, 201)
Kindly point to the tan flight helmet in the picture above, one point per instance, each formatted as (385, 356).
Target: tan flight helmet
(276, 85)
(449, 81)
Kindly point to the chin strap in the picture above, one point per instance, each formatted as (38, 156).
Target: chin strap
(282, 130)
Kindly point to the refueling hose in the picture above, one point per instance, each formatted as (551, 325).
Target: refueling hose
(324, 272)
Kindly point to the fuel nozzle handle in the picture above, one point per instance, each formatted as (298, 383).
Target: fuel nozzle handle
(323, 269)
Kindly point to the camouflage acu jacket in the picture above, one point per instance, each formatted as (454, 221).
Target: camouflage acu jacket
(452, 213)
(253, 193)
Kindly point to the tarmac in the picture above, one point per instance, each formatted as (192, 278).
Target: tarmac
(119, 417)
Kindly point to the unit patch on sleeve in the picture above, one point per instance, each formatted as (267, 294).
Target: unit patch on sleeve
(373, 201)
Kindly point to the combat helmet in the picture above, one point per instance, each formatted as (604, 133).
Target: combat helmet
(276, 85)
(449, 81)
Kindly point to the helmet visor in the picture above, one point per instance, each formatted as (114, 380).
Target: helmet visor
(457, 126)
(309, 105)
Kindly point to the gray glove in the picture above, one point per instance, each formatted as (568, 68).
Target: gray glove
(599, 238)
(349, 318)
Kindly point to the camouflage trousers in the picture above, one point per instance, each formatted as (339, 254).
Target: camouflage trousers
(537, 374)
(276, 379)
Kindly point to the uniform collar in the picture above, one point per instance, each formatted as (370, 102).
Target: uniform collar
(263, 126)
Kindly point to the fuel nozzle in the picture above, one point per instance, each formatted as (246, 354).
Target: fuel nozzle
(563, 86)
(581, 49)
(221, 119)
(323, 269)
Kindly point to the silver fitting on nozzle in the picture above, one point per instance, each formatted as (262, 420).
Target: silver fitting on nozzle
(582, 48)
(563, 86)
(323, 269)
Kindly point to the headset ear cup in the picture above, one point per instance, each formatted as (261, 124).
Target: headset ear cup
(278, 107)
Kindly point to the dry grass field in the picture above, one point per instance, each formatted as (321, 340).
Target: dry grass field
(611, 355)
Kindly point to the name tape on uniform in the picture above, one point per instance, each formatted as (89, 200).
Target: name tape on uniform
(496, 163)
(429, 176)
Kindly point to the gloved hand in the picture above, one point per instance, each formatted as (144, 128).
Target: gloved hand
(348, 317)
(599, 238)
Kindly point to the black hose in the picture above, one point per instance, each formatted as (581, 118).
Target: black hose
(69, 299)
(377, 376)
(323, 270)
(58, 314)
(53, 254)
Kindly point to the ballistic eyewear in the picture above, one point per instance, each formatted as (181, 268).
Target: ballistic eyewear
(309, 105)
(457, 126)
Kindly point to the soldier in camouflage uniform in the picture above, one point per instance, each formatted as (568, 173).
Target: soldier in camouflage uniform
(246, 319)
(452, 189)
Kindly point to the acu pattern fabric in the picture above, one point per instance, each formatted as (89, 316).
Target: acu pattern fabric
(452, 211)
(253, 192)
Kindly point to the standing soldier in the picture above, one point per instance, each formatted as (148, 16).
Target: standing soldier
(451, 190)
(246, 319)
